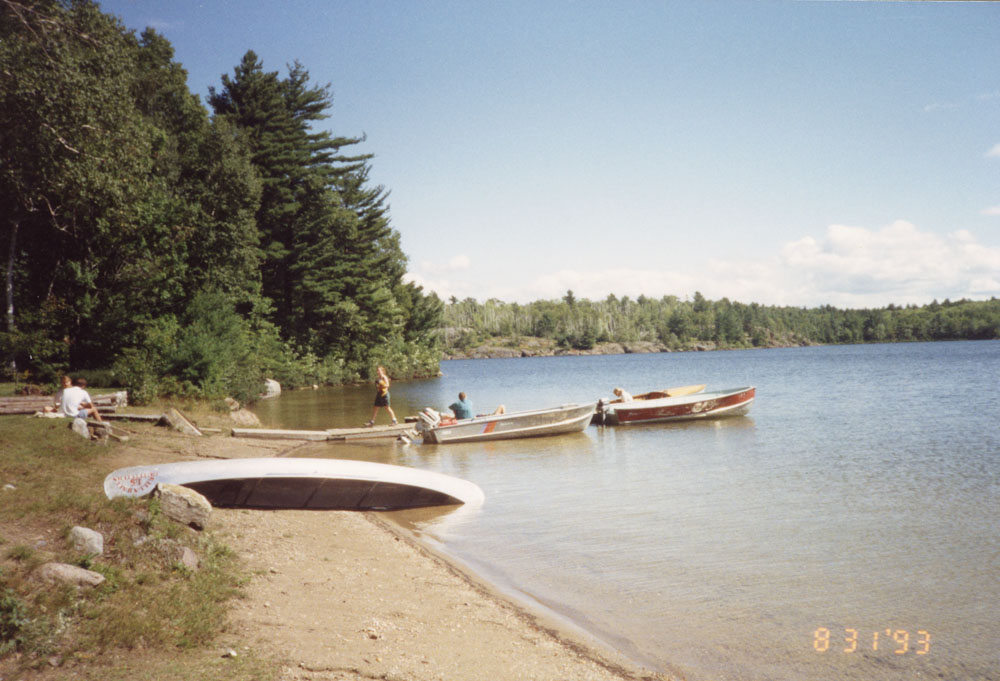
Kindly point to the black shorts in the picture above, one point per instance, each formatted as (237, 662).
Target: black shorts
(381, 400)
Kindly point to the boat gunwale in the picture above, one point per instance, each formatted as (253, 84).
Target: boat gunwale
(680, 399)
(485, 418)
(527, 431)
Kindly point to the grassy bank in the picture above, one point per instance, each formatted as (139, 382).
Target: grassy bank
(152, 618)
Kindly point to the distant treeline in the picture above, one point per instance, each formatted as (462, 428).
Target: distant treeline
(680, 324)
(182, 250)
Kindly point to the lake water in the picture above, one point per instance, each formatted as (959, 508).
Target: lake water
(847, 529)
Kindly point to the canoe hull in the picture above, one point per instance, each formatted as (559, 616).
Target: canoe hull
(286, 483)
(735, 402)
(542, 422)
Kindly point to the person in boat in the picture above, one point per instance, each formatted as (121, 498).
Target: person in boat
(76, 403)
(622, 395)
(381, 396)
(462, 408)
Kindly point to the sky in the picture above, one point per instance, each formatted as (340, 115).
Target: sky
(784, 153)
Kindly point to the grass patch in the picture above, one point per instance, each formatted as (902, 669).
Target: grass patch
(149, 607)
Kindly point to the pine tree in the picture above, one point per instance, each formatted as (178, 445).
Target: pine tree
(253, 103)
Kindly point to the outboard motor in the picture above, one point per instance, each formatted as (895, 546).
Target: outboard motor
(599, 413)
(428, 419)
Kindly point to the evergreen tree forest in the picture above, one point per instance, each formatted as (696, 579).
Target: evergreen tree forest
(185, 250)
(673, 324)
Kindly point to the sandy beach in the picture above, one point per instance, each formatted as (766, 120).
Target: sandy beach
(341, 595)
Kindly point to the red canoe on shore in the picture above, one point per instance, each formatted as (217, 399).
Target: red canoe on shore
(705, 405)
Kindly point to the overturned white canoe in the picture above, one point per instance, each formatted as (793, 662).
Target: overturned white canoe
(299, 483)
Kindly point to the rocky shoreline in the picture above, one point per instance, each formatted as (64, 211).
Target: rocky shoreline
(505, 348)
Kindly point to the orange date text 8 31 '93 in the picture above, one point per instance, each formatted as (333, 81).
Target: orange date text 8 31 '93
(897, 641)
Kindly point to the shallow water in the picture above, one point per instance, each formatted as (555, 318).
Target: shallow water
(847, 528)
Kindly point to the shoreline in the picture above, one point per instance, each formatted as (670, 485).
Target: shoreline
(534, 613)
(504, 347)
(345, 595)
(560, 627)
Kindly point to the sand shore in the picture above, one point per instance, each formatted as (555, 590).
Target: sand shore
(347, 595)
(342, 595)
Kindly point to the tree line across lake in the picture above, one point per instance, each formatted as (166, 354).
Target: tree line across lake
(676, 324)
(178, 249)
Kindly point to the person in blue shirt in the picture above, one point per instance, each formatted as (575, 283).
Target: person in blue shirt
(462, 408)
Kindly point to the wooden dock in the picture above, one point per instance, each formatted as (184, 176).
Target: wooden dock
(332, 435)
(373, 433)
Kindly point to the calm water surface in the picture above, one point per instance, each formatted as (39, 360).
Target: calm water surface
(848, 528)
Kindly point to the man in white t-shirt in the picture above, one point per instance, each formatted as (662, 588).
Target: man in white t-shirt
(76, 402)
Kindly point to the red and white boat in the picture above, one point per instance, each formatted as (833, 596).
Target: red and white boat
(697, 405)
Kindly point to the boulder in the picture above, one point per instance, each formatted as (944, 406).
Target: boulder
(86, 541)
(184, 505)
(244, 417)
(638, 347)
(62, 573)
(79, 426)
(188, 558)
(271, 388)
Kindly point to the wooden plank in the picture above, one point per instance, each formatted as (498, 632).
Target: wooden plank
(15, 409)
(111, 398)
(29, 404)
(267, 434)
(28, 410)
(371, 433)
(148, 418)
(30, 399)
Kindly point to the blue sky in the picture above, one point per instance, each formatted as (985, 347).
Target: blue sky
(787, 153)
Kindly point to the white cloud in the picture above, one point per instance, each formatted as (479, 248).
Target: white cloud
(460, 262)
(941, 106)
(847, 266)
(443, 278)
(994, 151)
(991, 211)
(455, 264)
(860, 267)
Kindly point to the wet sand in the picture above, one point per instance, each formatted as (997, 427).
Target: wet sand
(345, 595)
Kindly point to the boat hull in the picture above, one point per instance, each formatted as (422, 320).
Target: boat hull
(735, 402)
(299, 483)
(542, 422)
